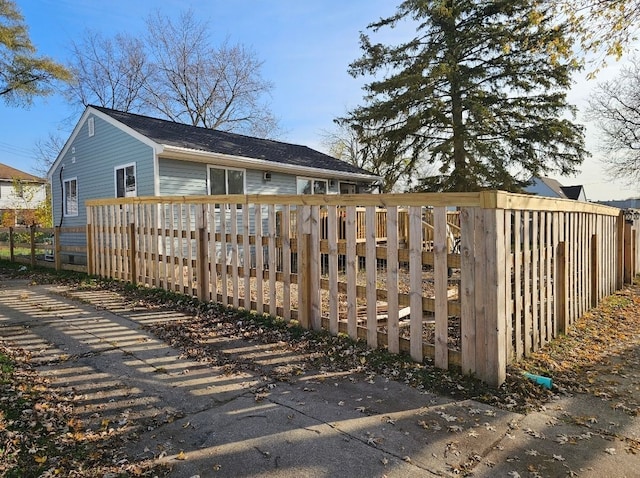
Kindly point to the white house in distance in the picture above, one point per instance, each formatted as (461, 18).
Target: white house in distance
(114, 154)
(20, 194)
(548, 187)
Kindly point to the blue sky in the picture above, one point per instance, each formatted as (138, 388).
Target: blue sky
(306, 46)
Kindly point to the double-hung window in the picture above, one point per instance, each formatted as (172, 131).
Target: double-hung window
(126, 181)
(70, 187)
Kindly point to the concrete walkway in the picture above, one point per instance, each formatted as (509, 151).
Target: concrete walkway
(222, 421)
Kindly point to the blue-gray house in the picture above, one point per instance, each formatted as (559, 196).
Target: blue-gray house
(115, 154)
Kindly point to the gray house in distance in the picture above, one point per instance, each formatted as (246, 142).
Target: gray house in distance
(551, 188)
(115, 154)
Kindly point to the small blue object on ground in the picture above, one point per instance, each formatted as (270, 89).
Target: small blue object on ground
(546, 382)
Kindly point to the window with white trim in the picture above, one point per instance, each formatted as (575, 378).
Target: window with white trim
(311, 186)
(125, 179)
(70, 187)
(91, 126)
(226, 180)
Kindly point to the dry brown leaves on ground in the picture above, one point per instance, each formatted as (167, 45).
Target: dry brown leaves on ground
(600, 356)
(41, 436)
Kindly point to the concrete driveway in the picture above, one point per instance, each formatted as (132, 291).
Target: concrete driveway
(220, 421)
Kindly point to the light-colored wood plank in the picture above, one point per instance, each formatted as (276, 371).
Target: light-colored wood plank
(495, 311)
(467, 290)
(535, 285)
(273, 262)
(286, 261)
(315, 308)
(518, 292)
(393, 343)
(351, 272)
(259, 252)
(440, 278)
(224, 285)
(507, 270)
(527, 296)
(235, 285)
(371, 272)
(415, 281)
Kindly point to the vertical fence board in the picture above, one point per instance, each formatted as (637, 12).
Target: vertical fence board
(440, 250)
(332, 240)
(517, 282)
(495, 316)
(351, 273)
(259, 253)
(235, 259)
(535, 285)
(528, 316)
(247, 264)
(273, 262)
(467, 290)
(481, 292)
(415, 282)
(286, 261)
(315, 307)
(507, 271)
(393, 342)
(372, 284)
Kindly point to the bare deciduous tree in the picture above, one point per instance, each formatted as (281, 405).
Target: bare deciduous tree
(347, 143)
(176, 73)
(109, 72)
(615, 107)
(46, 151)
(214, 87)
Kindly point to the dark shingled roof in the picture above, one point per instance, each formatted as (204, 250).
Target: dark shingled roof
(203, 139)
(572, 192)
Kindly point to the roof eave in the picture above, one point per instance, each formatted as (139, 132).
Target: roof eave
(187, 154)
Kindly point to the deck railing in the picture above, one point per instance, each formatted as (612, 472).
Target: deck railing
(524, 269)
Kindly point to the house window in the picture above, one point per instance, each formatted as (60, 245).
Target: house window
(126, 181)
(312, 186)
(226, 181)
(91, 126)
(70, 187)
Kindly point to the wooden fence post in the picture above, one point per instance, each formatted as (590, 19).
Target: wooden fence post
(620, 252)
(495, 307)
(201, 255)
(32, 241)
(304, 266)
(57, 249)
(561, 288)
(595, 270)
(132, 251)
(12, 256)
(627, 254)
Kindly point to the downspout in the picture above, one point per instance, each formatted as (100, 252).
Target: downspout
(61, 197)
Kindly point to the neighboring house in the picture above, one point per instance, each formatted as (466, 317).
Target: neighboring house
(115, 154)
(20, 195)
(631, 203)
(551, 188)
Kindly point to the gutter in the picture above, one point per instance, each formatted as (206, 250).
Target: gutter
(186, 154)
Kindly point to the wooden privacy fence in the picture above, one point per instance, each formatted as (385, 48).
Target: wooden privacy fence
(524, 268)
(35, 245)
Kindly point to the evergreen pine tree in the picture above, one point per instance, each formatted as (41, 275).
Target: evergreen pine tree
(480, 91)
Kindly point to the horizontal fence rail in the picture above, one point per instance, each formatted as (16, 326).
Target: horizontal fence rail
(41, 246)
(474, 280)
